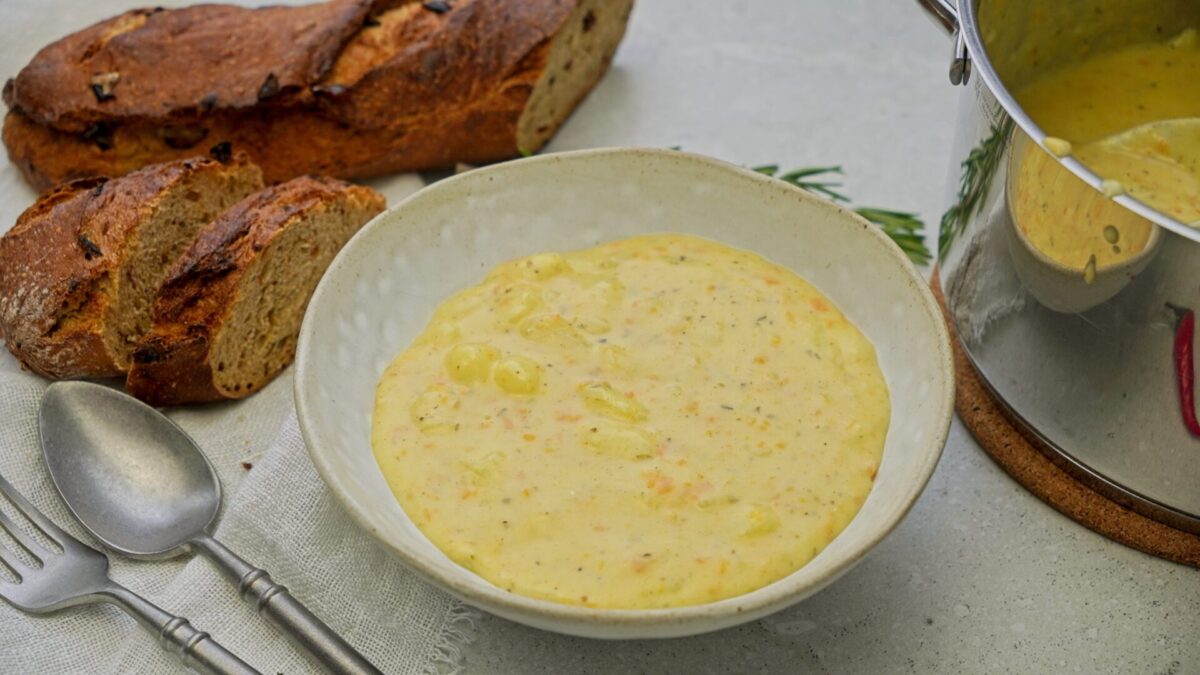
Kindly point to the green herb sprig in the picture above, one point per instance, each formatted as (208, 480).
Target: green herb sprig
(977, 171)
(810, 179)
(906, 229)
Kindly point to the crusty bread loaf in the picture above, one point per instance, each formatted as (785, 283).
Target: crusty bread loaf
(80, 268)
(228, 314)
(351, 88)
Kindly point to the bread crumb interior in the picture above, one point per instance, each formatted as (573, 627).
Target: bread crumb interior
(259, 338)
(169, 227)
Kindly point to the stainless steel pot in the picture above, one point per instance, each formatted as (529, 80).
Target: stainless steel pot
(1091, 376)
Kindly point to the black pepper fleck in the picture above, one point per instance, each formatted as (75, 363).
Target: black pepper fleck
(437, 6)
(208, 103)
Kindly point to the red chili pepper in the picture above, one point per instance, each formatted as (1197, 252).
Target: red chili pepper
(1185, 369)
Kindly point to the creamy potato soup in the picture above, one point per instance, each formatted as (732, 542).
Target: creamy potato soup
(654, 422)
(1113, 91)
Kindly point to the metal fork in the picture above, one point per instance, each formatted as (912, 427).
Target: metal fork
(79, 575)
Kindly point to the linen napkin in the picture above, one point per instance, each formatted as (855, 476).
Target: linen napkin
(277, 514)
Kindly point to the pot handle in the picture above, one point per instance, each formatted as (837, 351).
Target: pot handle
(945, 13)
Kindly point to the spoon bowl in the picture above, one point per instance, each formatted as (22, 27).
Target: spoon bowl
(140, 484)
(128, 473)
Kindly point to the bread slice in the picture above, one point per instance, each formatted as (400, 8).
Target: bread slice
(79, 270)
(227, 317)
(414, 86)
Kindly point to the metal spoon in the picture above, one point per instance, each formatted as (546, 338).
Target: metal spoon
(141, 485)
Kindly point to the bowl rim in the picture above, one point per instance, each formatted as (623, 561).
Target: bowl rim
(769, 598)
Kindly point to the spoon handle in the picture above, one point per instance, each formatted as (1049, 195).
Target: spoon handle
(279, 607)
(194, 647)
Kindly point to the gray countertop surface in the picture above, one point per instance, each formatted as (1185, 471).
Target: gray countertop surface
(981, 577)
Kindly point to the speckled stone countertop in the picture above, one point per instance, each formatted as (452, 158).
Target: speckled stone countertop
(981, 577)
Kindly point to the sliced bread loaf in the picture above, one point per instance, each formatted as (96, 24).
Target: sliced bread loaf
(80, 269)
(228, 314)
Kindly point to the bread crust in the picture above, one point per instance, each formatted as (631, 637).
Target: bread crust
(173, 65)
(57, 260)
(46, 273)
(413, 89)
(173, 364)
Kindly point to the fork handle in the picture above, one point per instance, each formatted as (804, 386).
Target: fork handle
(194, 647)
(275, 604)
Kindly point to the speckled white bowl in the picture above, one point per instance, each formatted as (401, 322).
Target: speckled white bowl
(381, 289)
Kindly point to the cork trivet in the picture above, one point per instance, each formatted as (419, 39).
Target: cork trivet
(1027, 465)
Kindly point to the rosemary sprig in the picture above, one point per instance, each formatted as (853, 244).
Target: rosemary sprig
(805, 179)
(906, 229)
(977, 171)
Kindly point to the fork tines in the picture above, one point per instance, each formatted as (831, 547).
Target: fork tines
(31, 545)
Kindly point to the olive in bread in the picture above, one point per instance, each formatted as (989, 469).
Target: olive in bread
(81, 267)
(228, 314)
(350, 88)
